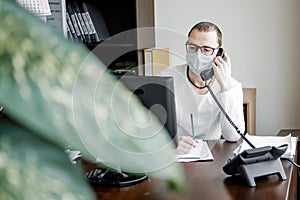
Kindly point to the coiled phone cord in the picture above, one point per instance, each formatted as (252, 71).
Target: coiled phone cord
(237, 129)
(227, 117)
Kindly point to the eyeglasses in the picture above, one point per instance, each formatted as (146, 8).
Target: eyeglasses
(208, 51)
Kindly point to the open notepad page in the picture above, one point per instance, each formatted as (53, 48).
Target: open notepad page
(260, 141)
(199, 153)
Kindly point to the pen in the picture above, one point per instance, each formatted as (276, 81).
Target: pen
(192, 124)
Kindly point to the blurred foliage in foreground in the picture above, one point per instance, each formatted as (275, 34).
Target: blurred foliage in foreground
(57, 95)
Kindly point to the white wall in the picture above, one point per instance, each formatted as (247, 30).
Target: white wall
(263, 41)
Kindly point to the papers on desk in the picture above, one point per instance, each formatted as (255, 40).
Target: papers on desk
(199, 153)
(260, 141)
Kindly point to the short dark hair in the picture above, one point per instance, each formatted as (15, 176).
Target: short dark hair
(208, 27)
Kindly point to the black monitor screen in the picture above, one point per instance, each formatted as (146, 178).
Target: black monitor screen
(156, 93)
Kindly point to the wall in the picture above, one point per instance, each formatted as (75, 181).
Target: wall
(262, 39)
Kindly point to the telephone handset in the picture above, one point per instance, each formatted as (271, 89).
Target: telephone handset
(208, 73)
(221, 52)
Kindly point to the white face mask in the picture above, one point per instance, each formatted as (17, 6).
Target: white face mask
(198, 62)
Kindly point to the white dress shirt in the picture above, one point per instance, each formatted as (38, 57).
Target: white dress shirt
(208, 120)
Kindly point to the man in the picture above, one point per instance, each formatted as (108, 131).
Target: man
(197, 113)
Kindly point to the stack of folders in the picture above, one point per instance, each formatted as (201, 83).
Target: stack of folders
(81, 26)
(260, 141)
(199, 153)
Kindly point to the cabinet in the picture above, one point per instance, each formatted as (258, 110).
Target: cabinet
(126, 22)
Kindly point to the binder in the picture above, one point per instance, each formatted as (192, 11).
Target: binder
(76, 20)
(78, 13)
(75, 23)
(156, 59)
(96, 22)
(71, 28)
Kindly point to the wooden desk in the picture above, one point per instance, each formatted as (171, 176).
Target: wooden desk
(206, 180)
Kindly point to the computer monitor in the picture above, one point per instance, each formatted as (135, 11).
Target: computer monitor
(157, 94)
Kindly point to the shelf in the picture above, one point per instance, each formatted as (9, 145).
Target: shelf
(118, 17)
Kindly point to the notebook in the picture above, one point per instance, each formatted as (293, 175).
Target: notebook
(199, 153)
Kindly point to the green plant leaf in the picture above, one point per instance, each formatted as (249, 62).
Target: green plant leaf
(32, 168)
(59, 92)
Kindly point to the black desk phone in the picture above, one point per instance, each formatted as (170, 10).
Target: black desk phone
(254, 162)
(257, 162)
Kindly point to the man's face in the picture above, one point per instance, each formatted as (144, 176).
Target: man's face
(204, 39)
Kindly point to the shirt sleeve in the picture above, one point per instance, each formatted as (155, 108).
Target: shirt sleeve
(232, 102)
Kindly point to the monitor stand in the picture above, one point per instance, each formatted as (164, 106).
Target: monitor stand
(106, 177)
